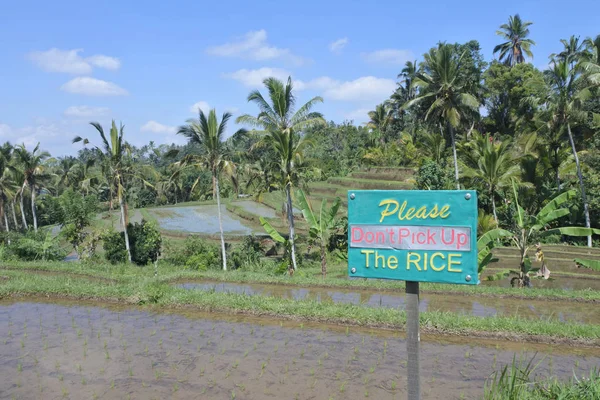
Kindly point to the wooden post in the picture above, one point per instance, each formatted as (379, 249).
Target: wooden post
(412, 340)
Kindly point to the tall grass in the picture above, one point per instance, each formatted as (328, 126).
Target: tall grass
(517, 382)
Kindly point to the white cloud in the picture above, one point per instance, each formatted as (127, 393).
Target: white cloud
(366, 88)
(200, 105)
(70, 62)
(389, 56)
(337, 46)
(253, 45)
(93, 87)
(358, 116)
(254, 77)
(86, 111)
(52, 136)
(156, 127)
(105, 62)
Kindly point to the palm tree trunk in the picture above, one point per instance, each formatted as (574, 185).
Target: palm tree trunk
(14, 214)
(123, 219)
(454, 156)
(494, 206)
(23, 210)
(586, 207)
(5, 219)
(218, 196)
(323, 261)
(35, 226)
(290, 215)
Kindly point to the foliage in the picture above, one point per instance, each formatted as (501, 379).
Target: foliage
(145, 242)
(195, 254)
(248, 252)
(432, 176)
(76, 213)
(41, 245)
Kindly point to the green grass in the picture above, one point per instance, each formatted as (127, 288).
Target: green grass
(516, 382)
(355, 183)
(306, 277)
(136, 286)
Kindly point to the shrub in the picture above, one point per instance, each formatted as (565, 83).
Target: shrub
(30, 246)
(196, 253)
(145, 243)
(248, 252)
(431, 176)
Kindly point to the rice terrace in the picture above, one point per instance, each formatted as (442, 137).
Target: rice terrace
(440, 240)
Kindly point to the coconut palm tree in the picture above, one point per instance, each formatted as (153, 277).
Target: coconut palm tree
(562, 108)
(448, 101)
(517, 44)
(112, 161)
(491, 163)
(380, 119)
(7, 188)
(282, 124)
(591, 60)
(208, 133)
(34, 175)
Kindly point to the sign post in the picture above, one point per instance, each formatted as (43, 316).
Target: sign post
(415, 236)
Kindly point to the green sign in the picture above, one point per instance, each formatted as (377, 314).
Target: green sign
(413, 235)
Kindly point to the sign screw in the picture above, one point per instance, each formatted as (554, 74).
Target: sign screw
(353, 270)
(352, 196)
(468, 197)
(468, 278)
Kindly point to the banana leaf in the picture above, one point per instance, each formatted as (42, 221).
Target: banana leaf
(575, 231)
(271, 231)
(591, 264)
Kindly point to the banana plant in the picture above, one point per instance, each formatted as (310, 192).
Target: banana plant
(321, 225)
(527, 229)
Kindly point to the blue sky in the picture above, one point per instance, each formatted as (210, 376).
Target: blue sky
(66, 63)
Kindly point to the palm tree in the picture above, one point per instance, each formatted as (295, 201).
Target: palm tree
(492, 163)
(562, 107)
(208, 134)
(439, 84)
(517, 44)
(408, 75)
(380, 119)
(112, 161)
(6, 184)
(33, 176)
(591, 60)
(282, 124)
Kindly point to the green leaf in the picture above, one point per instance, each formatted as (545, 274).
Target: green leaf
(575, 231)
(556, 202)
(271, 231)
(491, 236)
(591, 264)
(307, 211)
(520, 221)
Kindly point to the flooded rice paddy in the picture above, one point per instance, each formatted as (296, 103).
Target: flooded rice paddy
(198, 219)
(479, 306)
(78, 350)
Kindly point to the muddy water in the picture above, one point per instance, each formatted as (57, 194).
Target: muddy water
(558, 282)
(75, 351)
(477, 306)
(198, 219)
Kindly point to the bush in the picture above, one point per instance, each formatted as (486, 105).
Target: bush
(145, 243)
(248, 252)
(197, 254)
(30, 246)
(431, 176)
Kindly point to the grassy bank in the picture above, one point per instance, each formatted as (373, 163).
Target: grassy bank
(143, 290)
(305, 278)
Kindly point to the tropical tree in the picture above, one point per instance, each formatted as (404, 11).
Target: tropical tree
(321, 225)
(527, 229)
(7, 188)
(282, 125)
(591, 60)
(491, 163)
(439, 85)
(517, 44)
(112, 161)
(563, 108)
(208, 133)
(34, 175)
(380, 119)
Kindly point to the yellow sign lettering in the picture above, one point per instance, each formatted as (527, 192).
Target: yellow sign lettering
(452, 262)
